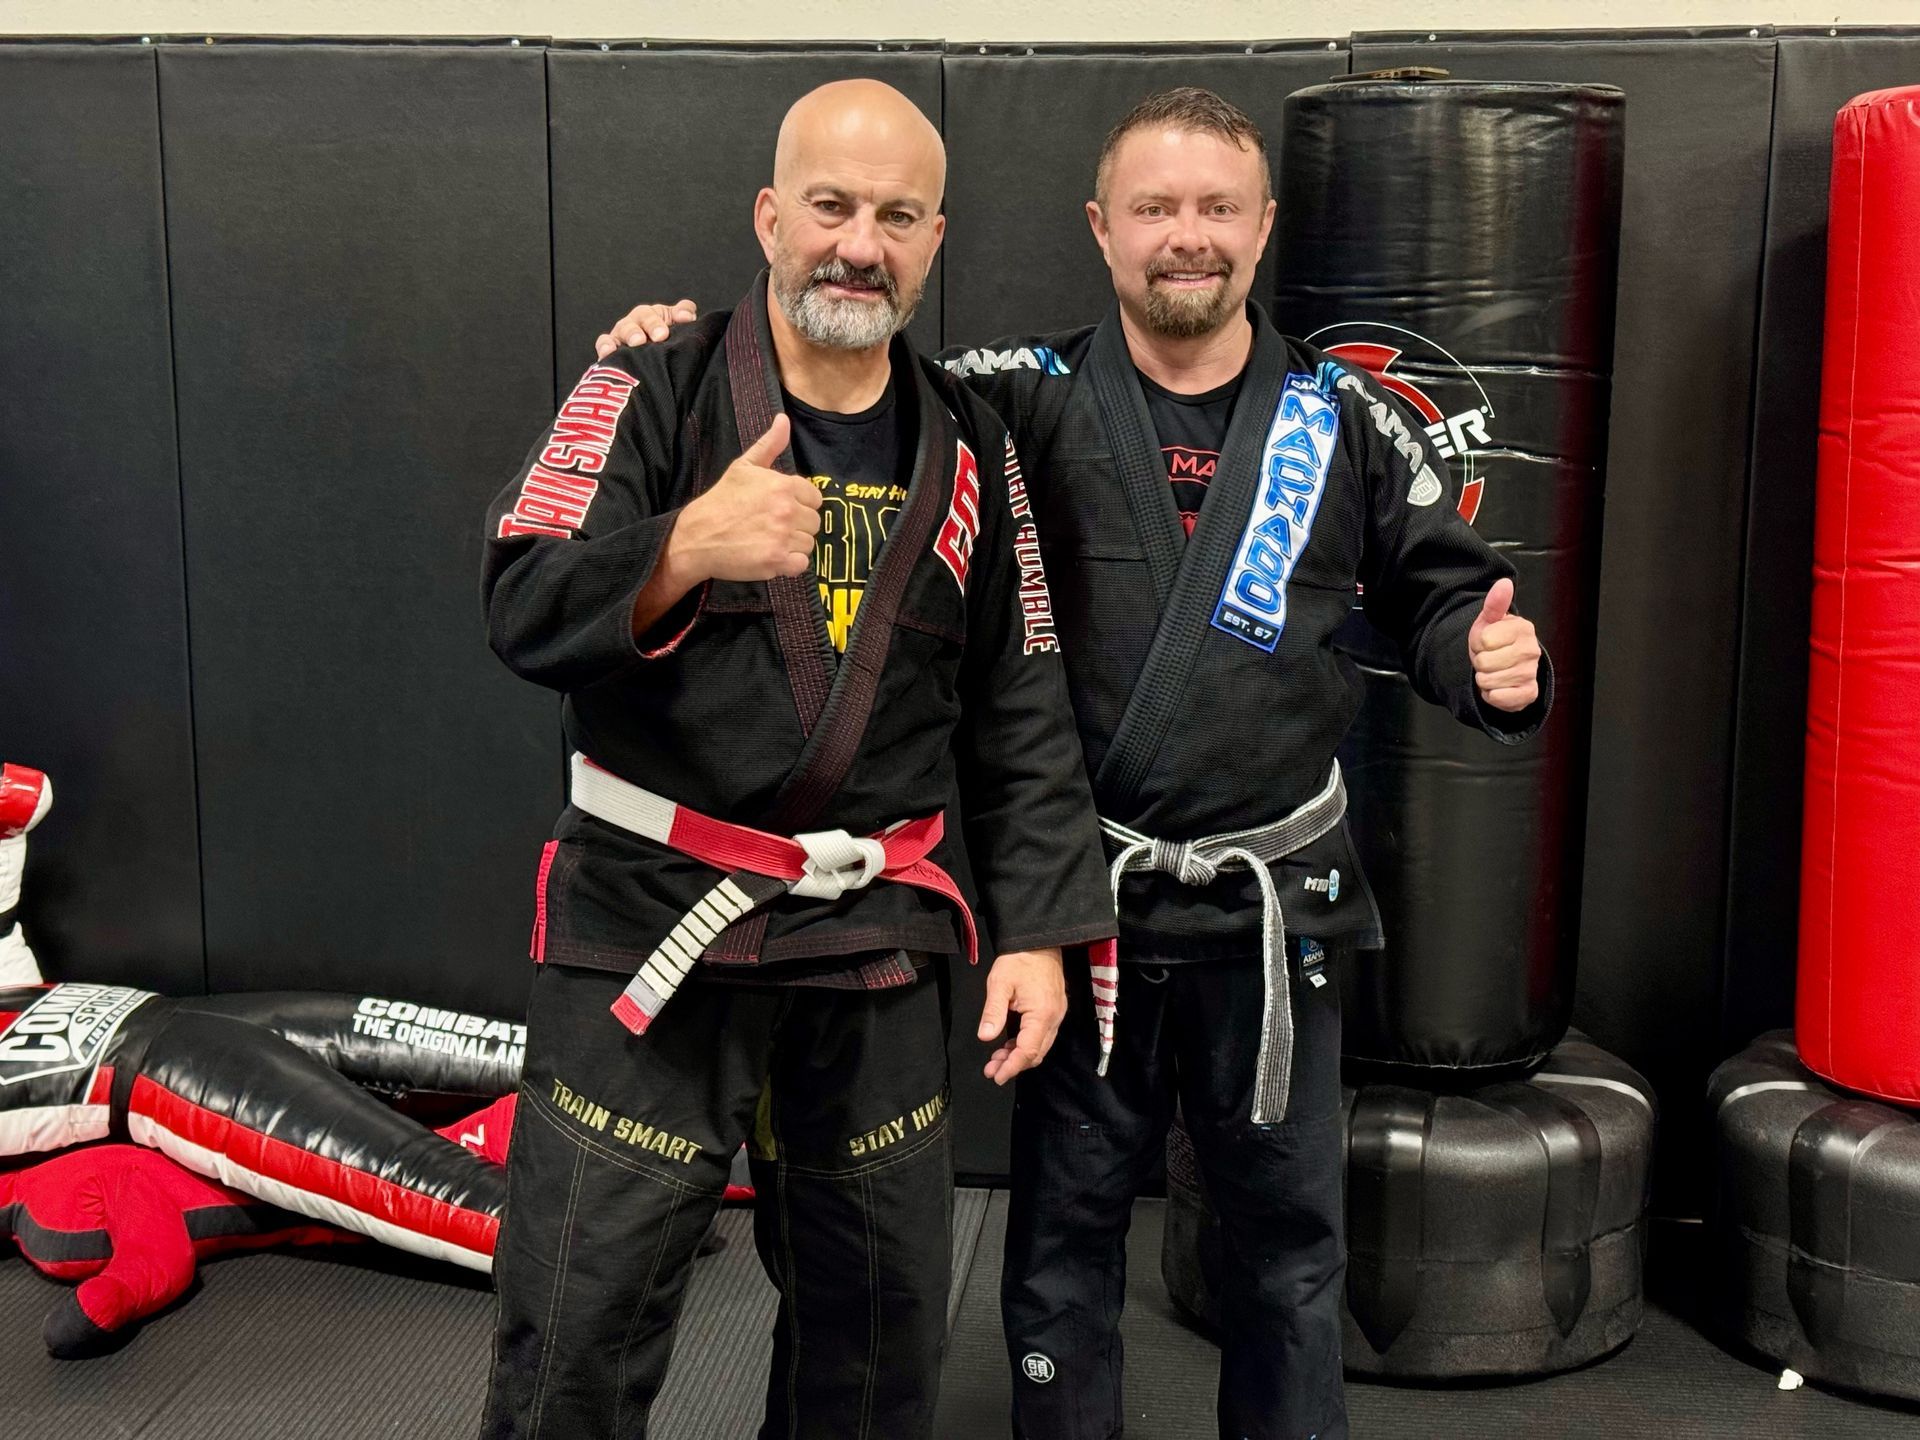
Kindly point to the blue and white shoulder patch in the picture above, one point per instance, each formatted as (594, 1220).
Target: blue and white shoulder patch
(1043, 358)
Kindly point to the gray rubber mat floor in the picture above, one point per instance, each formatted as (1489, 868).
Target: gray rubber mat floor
(1669, 1383)
(346, 1343)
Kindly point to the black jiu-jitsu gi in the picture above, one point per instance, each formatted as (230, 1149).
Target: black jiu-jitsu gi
(1210, 699)
(825, 1056)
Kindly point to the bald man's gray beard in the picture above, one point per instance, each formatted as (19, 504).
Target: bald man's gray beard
(1185, 314)
(834, 323)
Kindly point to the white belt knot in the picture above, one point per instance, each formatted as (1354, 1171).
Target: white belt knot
(1182, 859)
(836, 863)
(1200, 862)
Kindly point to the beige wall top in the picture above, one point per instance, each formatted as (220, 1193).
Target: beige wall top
(897, 19)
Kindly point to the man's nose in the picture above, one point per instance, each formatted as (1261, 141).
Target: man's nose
(859, 241)
(1187, 236)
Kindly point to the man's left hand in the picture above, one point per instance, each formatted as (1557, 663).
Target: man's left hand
(1505, 652)
(644, 323)
(1031, 985)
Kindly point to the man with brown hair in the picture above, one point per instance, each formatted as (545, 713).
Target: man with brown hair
(1209, 493)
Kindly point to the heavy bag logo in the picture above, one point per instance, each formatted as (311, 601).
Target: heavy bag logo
(1377, 348)
(66, 1029)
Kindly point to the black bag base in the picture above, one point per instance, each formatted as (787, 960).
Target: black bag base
(1818, 1222)
(1858, 1366)
(1493, 1232)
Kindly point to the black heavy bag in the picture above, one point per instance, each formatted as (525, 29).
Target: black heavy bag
(1818, 1221)
(1495, 1231)
(1459, 239)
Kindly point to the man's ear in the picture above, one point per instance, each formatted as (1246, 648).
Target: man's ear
(766, 220)
(1097, 222)
(1266, 227)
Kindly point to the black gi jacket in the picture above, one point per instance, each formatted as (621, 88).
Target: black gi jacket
(1191, 729)
(737, 707)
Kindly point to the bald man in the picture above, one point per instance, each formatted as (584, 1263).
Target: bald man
(783, 571)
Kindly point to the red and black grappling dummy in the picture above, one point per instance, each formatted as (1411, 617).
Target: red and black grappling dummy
(239, 1104)
(132, 1226)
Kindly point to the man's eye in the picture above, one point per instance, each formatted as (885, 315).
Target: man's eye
(1151, 212)
(827, 207)
(899, 217)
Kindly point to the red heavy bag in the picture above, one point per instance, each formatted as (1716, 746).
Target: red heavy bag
(1858, 1021)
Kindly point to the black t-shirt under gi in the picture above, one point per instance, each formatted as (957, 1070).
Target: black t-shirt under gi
(860, 463)
(1190, 429)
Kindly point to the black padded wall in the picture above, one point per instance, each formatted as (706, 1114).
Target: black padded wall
(1024, 129)
(1652, 925)
(239, 623)
(1817, 72)
(364, 350)
(93, 639)
(658, 152)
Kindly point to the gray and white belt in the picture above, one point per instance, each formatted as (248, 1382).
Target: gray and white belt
(1198, 862)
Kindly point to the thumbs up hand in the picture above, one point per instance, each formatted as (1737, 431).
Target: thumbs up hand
(1505, 652)
(754, 523)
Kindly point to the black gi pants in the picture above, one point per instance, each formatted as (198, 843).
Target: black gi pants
(1083, 1145)
(620, 1152)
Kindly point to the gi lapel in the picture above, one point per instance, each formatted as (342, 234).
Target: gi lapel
(1136, 455)
(834, 705)
(1187, 613)
(754, 385)
(937, 465)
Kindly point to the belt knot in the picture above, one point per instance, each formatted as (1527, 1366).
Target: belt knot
(836, 863)
(1179, 858)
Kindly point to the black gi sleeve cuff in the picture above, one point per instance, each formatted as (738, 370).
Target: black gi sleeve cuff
(1512, 727)
(666, 633)
(664, 636)
(1056, 938)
